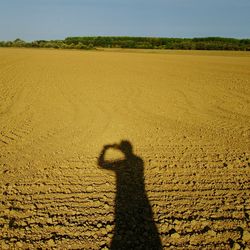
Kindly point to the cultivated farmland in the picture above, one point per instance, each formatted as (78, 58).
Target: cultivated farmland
(186, 116)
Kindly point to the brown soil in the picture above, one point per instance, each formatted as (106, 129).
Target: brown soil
(186, 116)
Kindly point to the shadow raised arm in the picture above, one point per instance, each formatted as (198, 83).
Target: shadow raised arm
(101, 160)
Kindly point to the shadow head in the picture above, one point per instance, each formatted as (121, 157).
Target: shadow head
(126, 147)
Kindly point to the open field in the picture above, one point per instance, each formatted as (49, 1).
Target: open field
(187, 115)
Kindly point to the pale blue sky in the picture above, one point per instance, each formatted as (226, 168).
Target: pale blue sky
(57, 19)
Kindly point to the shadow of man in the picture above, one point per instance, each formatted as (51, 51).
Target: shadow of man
(134, 224)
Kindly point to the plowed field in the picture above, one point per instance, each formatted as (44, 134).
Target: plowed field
(186, 117)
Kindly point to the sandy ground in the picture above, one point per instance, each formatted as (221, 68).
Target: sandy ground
(186, 114)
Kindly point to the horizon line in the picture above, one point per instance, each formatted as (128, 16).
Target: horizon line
(128, 36)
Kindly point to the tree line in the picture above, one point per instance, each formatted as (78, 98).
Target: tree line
(205, 43)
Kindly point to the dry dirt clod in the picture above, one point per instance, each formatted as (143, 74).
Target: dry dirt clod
(51, 243)
(19, 244)
(4, 246)
(175, 236)
(246, 236)
(89, 189)
(236, 246)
